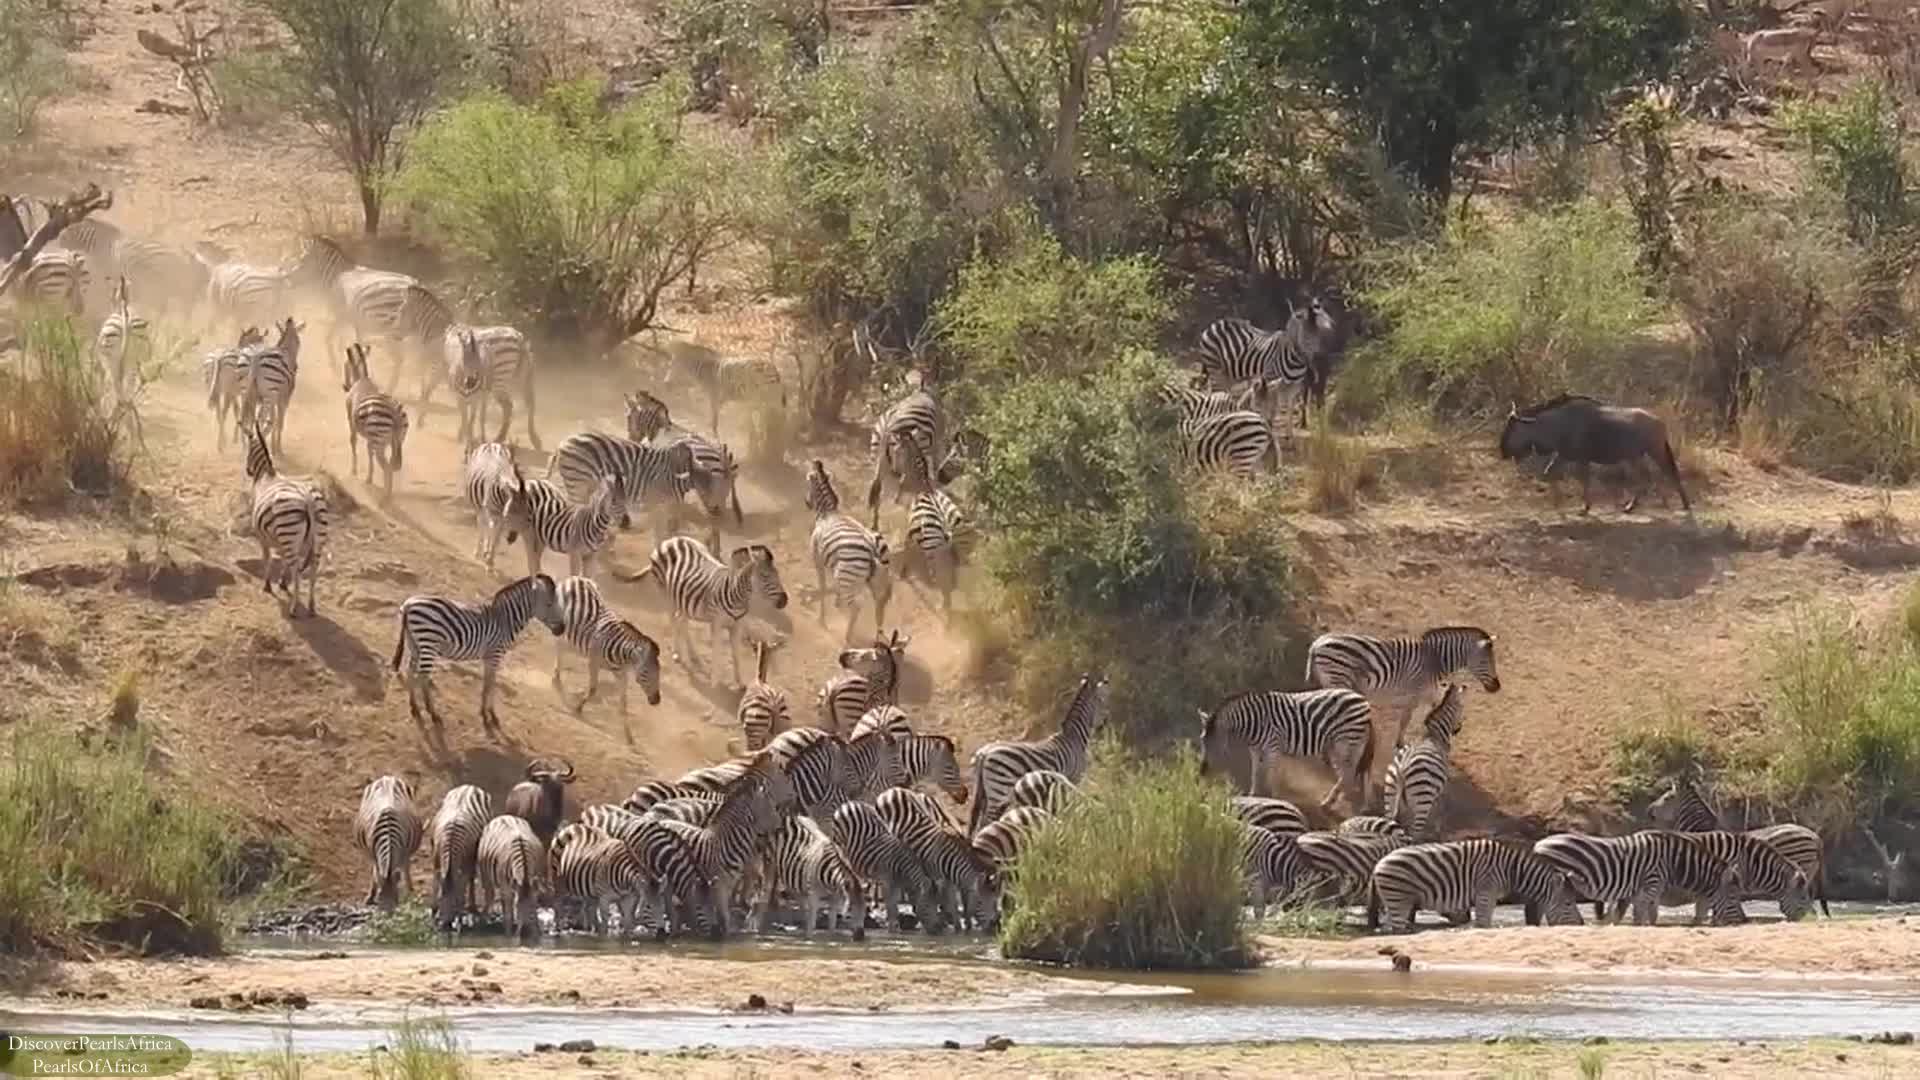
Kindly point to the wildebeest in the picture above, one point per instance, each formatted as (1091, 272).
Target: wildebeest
(541, 798)
(1588, 432)
(1319, 329)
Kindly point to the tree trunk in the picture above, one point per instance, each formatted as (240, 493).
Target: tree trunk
(1063, 160)
(59, 216)
(370, 206)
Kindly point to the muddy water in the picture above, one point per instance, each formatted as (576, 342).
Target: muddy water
(1177, 1009)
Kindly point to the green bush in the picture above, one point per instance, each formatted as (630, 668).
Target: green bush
(91, 848)
(1144, 872)
(61, 430)
(1490, 315)
(1647, 756)
(579, 219)
(1858, 149)
(741, 54)
(32, 67)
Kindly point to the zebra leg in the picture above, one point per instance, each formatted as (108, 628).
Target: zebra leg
(733, 647)
(1483, 910)
(593, 683)
(809, 910)
(526, 390)
(559, 653)
(488, 671)
(313, 584)
(882, 590)
(820, 576)
(506, 415)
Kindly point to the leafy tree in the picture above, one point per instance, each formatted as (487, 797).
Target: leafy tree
(362, 73)
(1435, 77)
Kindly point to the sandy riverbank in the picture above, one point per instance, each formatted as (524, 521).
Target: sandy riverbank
(1451, 1060)
(1884, 948)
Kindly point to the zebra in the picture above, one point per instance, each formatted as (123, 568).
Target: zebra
(1000, 841)
(1241, 443)
(870, 678)
(998, 765)
(1639, 867)
(723, 379)
(1274, 815)
(771, 767)
(435, 628)
(387, 828)
(488, 481)
(1765, 873)
(1418, 774)
(1407, 669)
(271, 375)
(1042, 788)
(55, 280)
(713, 477)
(1272, 863)
(1335, 726)
(1802, 847)
(826, 771)
(1467, 876)
(607, 640)
(917, 416)
(1346, 858)
(965, 880)
(1683, 808)
(935, 523)
(647, 416)
(366, 302)
(930, 759)
(650, 476)
(513, 869)
(1371, 825)
(241, 293)
(1192, 403)
(701, 587)
(225, 369)
(453, 839)
(547, 521)
(762, 711)
(891, 719)
(852, 553)
(879, 858)
(372, 416)
(803, 860)
(174, 279)
(481, 363)
(114, 344)
(290, 520)
(724, 845)
(1233, 350)
(599, 869)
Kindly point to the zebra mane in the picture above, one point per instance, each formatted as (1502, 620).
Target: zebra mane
(1441, 631)
(431, 305)
(515, 586)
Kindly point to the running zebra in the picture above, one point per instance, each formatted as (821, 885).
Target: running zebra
(1234, 351)
(366, 303)
(853, 554)
(601, 871)
(387, 828)
(513, 870)
(241, 294)
(724, 379)
(435, 628)
(882, 861)
(271, 374)
(916, 416)
(869, 679)
(935, 523)
(607, 640)
(701, 587)
(803, 861)
(173, 281)
(1274, 815)
(1272, 864)
(966, 882)
(1418, 775)
(122, 342)
(1045, 789)
(453, 846)
(489, 482)
(290, 521)
(650, 476)
(548, 522)
(55, 281)
(1637, 868)
(1406, 670)
(1335, 726)
(1241, 443)
(647, 416)
(762, 711)
(374, 417)
(1467, 876)
(1765, 874)
(1345, 858)
(481, 363)
(225, 368)
(998, 766)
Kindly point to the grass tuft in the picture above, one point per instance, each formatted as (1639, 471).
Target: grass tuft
(60, 430)
(410, 923)
(1338, 468)
(420, 1050)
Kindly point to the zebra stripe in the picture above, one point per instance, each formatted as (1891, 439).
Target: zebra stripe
(724, 845)
(372, 416)
(435, 628)
(272, 372)
(599, 870)
(967, 884)
(713, 477)
(290, 521)
(489, 482)
(606, 640)
(1241, 443)
(930, 759)
(1405, 669)
(55, 280)
(647, 416)
(1234, 350)
(935, 523)
(1637, 868)
(369, 303)
(1468, 876)
(853, 554)
(513, 869)
(917, 416)
(701, 587)
(1683, 808)
(548, 522)
(225, 370)
(173, 280)
(122, 336)
(1346, 858)
(453, 838)
(762, 712)
(891, 719)
(1043, 788)
(802, 860)
(869, 680)
(880, 859)
(724, 379)
(666, 871)
(1000, 842)
(998, 765)
(649, 476)
(387, 828)
(243, 294)
(1192, 403)
(1274, 815)
(1418, 775)
(1765, 874)
(1371, 825)
(1335, 726)
(481, 363)
(1273, 865)
(1803, 848)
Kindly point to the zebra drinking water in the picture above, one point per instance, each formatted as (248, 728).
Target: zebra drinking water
(387, 828)
(513, 870)
(453, 842)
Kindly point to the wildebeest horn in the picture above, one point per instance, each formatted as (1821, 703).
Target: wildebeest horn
(566, 777)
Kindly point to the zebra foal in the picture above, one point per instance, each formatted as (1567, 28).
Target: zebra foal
(547, 521)
(1467, 876)
(997, 766)
(436, 628)
(373, 417)
(489, 481)
(1409, 671)
(854, 555)
(607, 640)
(1419, 772)
(1334, 726)
(453, 839)
(513, 871)
(762, 711)
(272, 372)
(387, 829)
(869, 679)
(290, 521)
(701, 587)
(123, 341)
(916, 416)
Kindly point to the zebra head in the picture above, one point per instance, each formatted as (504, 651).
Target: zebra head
(755, 563)
(646, 662)
(467, 374)
(946, 766)
(609, 498)
(1443, 722)
(647, 416)
(881, 661)
(821, 498)
(289, 343)
(546, 602)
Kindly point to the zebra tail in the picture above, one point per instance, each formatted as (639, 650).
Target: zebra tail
(400, 647)
(1365, 768)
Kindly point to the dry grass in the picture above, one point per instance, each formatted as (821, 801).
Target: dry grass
(1338, 468)
(59, 432)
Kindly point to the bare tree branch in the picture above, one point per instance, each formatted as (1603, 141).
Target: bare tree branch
(59, 215)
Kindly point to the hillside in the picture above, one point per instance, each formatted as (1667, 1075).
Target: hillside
(1604, 622)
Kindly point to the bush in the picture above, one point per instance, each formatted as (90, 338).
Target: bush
(1492, 315)
(1144, 872)
(580, 219)
(740, 53)
(60, 430)
(1646, 757)
(1861, 422)
(1858, 151)
(410, 923)
(91, 848)
(32, 68)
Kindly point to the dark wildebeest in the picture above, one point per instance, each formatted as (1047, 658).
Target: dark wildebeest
(1587, 432)
(541, 798)
(1318, 330)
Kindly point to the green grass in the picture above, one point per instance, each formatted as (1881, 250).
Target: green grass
(411, 923)
(420, 1050)
(1301, 916)
(92, 849)
(1647, 755)
(1592, 1063)
(1144, 872)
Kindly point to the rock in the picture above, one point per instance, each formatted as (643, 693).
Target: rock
(585, 1059)
(1402, 962)
(569, 995)
(1491, 1040)
(482, 955)
(543, 1048)
(1594, 1040)
(997, 1043)
(785, 1007)
(578, 1046)
(205, 1001)
(949, 1044)
(294, 998)
(478, 969)
(1892, 1038)
(1841, 1058)
(1388, 950)
(755, 1001)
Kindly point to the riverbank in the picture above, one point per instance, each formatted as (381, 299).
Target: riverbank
(1452, 1060)
(1840, 948)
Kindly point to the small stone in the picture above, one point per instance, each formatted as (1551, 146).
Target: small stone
(1402, 962)
(997, 1043)
(543, 1048)
(577, 1046)
(482, 955)
(755, 1001)
(205, 1001)
(787, 1007)
(1388, 950)
(569, 995)
(585, 1059)
(949, 1044)
(1594, 1040)
(478, 969)
(1841, 1058)
(1491, 1040)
